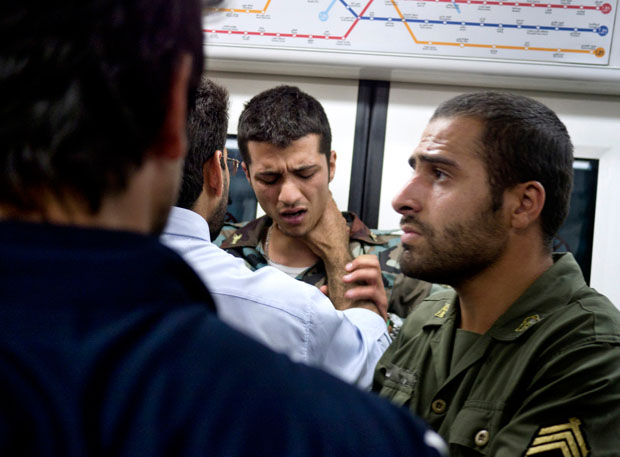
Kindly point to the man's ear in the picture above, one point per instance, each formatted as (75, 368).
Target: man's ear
(332, 165)
(246, 170)
(213, 175)
(171, 142)
(527, 201)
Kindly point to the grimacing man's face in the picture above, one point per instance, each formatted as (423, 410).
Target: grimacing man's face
(291, 183)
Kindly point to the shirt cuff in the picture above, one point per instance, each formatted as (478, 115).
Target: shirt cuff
(374, 326)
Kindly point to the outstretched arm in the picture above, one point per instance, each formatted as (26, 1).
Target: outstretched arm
(330, 241)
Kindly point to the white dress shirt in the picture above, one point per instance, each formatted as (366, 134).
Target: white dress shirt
(287, 315)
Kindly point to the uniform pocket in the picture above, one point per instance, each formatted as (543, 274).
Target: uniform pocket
(399, 384)
(476, 426)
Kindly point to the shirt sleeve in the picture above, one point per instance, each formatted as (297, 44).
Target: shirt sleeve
(572, 403)
(287, 315)
(296, 318)
(347, 344)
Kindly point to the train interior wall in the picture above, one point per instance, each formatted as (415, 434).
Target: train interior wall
(593, 122)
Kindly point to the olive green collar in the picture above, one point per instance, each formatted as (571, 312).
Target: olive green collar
(552, 290)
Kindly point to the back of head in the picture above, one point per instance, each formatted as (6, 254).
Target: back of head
(522, 140)
(84, 88)
(280, 116)
(207, 127)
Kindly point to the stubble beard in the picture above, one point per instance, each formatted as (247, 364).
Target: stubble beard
(216, 221)
(456, 254)
(292, 233)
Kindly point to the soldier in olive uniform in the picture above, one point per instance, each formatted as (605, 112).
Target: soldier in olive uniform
(285, 141)
(522, 358)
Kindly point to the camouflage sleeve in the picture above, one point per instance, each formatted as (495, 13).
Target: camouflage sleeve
(407, 293)
(226, 232)
(251, 256)
(404, 293)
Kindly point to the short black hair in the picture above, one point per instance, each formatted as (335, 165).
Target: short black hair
(280, 116)
(522, 140)
(84, 88)
(207, 127)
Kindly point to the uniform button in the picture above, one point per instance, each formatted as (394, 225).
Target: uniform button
(482, 438)
(438, 406)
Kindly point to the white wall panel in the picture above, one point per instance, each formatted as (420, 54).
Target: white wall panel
(338, 97)
(593, 123)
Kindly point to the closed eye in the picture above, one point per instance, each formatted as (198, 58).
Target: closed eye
(306, 174)
(268, 179)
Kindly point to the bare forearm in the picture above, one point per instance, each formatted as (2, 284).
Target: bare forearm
(335, 269)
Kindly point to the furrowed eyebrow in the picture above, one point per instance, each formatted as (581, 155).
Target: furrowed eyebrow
(267, 174)
(305, 168)
(435, 160)
(272, 174)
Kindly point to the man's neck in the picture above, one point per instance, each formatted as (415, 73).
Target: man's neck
(287, 250)
(484, 298)
(142, 207)
(74, 212)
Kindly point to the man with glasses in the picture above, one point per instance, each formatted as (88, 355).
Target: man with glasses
(233, 165)
(287, 315)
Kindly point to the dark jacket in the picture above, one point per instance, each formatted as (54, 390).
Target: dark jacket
(109, 345)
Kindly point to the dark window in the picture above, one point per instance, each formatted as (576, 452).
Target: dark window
(577, 232)
(241, 199)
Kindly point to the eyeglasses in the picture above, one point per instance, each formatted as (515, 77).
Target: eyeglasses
(233, 165)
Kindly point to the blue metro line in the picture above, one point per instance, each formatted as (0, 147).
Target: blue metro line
(603, 30)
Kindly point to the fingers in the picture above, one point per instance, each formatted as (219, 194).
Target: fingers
(364, 268)
(364, 292)
(324, 290)
(366, 260)
(365, 275)
(365, 272)
(371, 293)
(329, 239)
(332, 218)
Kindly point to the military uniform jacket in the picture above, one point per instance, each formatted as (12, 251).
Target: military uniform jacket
(244, 240)
(544, 380)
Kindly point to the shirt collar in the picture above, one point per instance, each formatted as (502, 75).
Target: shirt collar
(187, 223)
(359, 231)
(552, 290)
(252, 233)
(446, 308)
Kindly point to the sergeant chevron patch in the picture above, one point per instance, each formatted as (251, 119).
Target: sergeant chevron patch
(564, 440)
